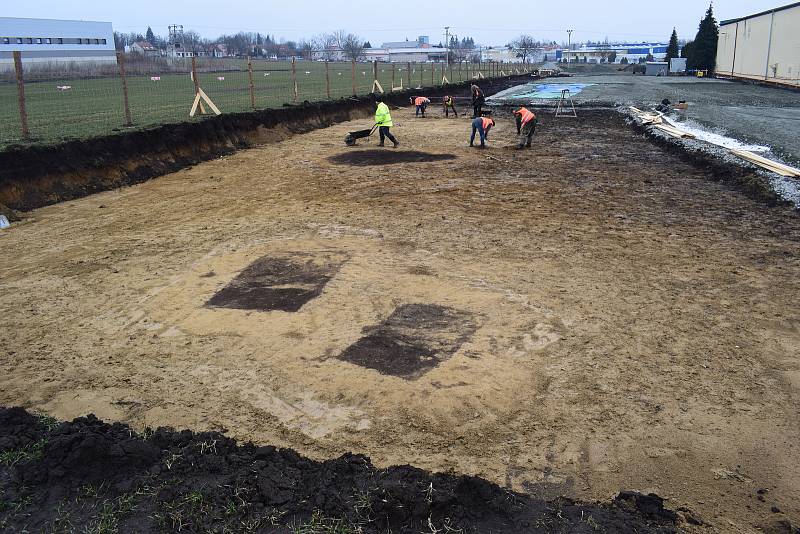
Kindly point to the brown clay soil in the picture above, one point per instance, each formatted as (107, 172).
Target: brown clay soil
(591, 315)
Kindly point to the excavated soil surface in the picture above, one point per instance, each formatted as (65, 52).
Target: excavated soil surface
(383, 157)
(87, 475)
(412, 340)
(284, 284)
(618, 317)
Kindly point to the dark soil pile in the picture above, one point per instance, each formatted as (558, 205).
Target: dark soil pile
(89, 475)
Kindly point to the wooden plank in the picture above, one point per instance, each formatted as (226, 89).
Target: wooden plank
(774, 166)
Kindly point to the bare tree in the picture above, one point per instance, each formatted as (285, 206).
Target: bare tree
(192, 41)
(306, 49)
(524, 46)
(352, 46)
(326, 44)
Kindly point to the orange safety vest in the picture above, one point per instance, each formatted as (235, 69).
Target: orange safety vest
(487, 123)
(420, 100)
(527, 116)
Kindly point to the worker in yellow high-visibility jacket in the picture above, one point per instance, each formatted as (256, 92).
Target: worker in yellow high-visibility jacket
(383, 120)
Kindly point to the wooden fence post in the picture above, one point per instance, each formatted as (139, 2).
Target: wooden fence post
(197, 85)
(392, 76)
(250, 79)
(328, 79)
(374, 73)
(23, 113)
(451, 79)
(125, 101)
(421, 70)
(408, 73)
(354, 76)
(294, 81)
(433, 74)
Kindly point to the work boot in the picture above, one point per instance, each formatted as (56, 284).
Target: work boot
(396, 144)
(380, 144)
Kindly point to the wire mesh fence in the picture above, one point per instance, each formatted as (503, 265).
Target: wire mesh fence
(67, 101)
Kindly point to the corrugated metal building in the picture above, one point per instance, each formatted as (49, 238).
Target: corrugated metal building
(763, 47)
(46, 40)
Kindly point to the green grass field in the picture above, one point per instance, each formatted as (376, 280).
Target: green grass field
(94, 106)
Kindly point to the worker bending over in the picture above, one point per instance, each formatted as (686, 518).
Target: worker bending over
(449, 103)
(482, 125)
(383, 120)
(422, 103)
(526, 126)
(477, 101)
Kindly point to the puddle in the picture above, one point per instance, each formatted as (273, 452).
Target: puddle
(414, 339)
(387, 156)
(283, 283)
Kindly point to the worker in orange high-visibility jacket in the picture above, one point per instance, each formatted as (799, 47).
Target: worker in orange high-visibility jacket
(526, 126)
(422, 103)
(482, 125)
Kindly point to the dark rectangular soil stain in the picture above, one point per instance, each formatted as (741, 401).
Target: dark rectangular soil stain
(414, 339)
(283, 283)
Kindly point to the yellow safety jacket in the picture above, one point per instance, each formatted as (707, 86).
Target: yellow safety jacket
(382, 116)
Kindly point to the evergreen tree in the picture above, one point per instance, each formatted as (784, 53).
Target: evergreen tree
(150, 36)
(703, 54)
(367, 44)
(673, 49)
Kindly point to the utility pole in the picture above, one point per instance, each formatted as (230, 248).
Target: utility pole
(569, 41)
(447, 43)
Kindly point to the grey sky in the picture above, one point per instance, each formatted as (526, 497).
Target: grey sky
(488, 21)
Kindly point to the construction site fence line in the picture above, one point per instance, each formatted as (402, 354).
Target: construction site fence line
(47, 103)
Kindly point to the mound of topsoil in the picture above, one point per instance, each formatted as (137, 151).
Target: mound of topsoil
(87, 475)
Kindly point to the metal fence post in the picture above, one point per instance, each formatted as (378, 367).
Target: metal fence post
(294, 80)
(328, 79)
(125, 101)
(23, 113)
(353, 73)
(250, 80)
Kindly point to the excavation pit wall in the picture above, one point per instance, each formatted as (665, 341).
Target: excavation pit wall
(36, 176)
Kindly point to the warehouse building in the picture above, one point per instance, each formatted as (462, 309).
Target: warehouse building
(52, 41)
(632, 52)
(764, 47)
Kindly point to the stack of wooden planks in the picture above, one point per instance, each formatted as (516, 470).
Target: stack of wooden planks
(656, 119)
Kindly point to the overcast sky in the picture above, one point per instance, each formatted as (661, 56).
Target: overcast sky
(490, 22)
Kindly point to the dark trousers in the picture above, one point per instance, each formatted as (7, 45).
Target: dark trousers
(447, 108)
(384, 132)
(476, 109)
(477, 126)
(526, 134)
(421, 109)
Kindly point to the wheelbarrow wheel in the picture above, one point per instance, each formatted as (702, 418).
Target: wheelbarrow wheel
(349, 140)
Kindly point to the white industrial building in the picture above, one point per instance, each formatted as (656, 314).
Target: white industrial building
(764, 47)
(51, 41)
(632, 52)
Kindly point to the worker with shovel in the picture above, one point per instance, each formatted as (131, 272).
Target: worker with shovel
(482, 125)
(478, 99)
(422, 104)
(449, 103)
(383, 120)
(526, 126)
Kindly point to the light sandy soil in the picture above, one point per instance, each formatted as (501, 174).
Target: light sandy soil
(636, 326)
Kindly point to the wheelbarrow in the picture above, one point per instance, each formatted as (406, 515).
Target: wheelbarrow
(351, 138)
